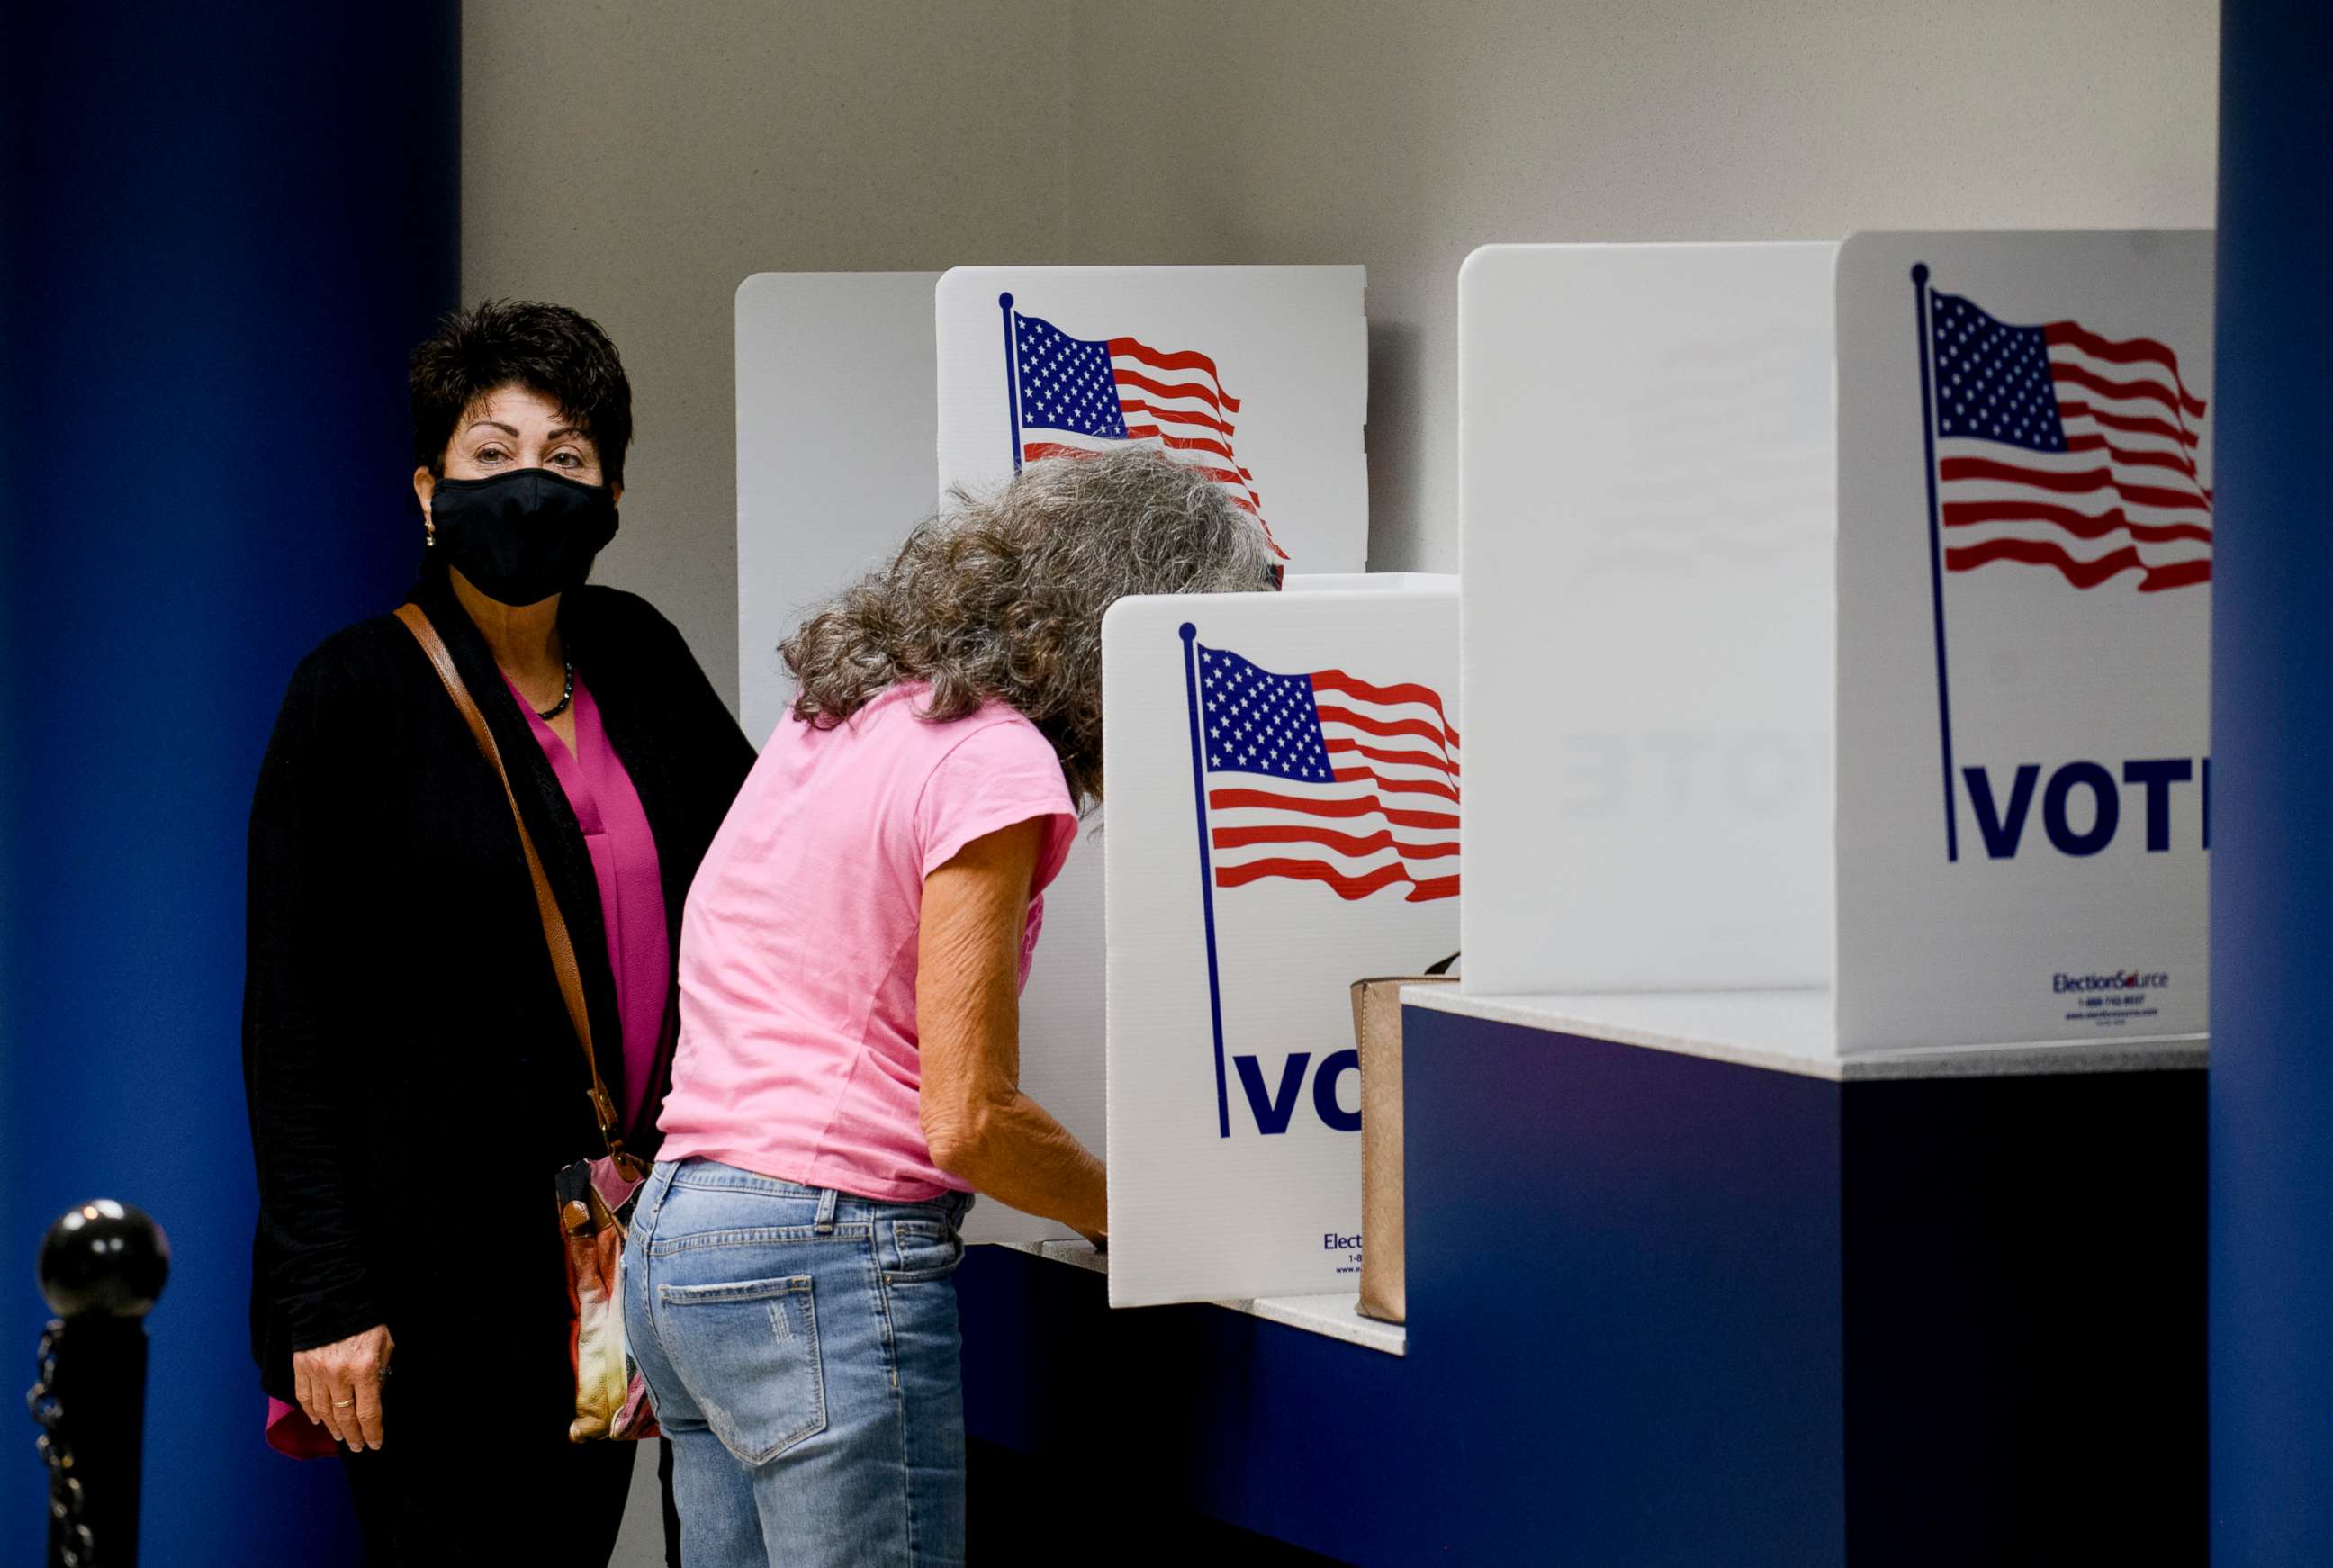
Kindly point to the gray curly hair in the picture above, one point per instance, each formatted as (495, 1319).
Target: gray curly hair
(1001, 597)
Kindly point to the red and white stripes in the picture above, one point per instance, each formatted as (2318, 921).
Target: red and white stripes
(2126, 496)
(1387, 816)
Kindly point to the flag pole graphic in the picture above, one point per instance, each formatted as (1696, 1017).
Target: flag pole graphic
(1207, 872)
(1012, 381)
(1935, 561)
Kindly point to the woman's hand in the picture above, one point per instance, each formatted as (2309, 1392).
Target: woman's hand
(338, 1385)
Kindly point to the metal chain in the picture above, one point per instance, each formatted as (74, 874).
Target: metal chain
(77, 1547)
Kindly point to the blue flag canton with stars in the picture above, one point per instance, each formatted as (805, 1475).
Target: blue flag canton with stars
(1066, 382)
(1259, 721)
(1992, 380)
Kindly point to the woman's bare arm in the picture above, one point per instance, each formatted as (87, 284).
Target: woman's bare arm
(979, 1125)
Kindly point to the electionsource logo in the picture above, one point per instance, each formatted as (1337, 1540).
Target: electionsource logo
(2116, 980)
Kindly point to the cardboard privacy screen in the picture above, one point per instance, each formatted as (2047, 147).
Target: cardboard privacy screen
(2024, 635)
(1284, 779)
(1901, 692)
(1260, 375)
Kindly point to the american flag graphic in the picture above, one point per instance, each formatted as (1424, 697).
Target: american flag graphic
(1086, 394)
(1326, 778)
(2057, 446)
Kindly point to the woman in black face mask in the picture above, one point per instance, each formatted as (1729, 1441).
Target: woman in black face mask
(416, 1076)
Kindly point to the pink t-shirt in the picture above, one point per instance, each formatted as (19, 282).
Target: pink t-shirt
(798, 1045)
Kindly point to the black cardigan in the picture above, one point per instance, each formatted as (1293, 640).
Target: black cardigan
(412, 1077)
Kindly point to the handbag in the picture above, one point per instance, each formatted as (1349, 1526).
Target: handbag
(1376, 1035)
(595, 1197)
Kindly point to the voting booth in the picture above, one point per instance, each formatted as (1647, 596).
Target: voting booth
(1827, 1069)
(1837, 622)
(863, 400)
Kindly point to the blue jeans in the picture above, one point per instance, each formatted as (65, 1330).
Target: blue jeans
(801, 1348)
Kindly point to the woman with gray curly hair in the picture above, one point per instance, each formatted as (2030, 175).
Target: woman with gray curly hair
(851, 961)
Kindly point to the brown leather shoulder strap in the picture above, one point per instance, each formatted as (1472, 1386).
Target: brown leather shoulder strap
(554, 924)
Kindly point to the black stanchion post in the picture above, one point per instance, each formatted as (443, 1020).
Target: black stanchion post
(102, 1267)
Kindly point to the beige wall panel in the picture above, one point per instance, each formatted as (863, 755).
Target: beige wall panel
(638, 161)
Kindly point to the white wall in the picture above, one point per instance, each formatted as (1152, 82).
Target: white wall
(638, 161)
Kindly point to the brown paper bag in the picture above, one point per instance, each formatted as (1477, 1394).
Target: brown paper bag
(1377, 1034)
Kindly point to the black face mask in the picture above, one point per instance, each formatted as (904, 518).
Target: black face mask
(523, 536)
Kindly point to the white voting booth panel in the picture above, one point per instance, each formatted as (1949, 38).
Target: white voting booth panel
(1283, 777)
(1646, 470)
(1260, 373)
(1838, 617)
(836, 426)
(2024, 705)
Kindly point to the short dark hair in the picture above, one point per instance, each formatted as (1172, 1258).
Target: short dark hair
(549, 348)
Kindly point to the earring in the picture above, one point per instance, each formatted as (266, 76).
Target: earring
(429, 536)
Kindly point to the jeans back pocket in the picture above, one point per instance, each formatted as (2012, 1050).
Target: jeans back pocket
(747, 1353)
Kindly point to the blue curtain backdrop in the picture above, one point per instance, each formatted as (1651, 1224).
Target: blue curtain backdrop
(2272, 842)
(222, 227)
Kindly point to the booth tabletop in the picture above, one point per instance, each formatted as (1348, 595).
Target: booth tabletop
(1791, 1031)
(1336, 1315)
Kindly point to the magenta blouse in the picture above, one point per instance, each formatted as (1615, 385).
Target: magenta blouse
(631, 886)
(639, 943)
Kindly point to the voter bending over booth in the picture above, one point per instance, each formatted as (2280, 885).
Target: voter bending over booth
(851, 961)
